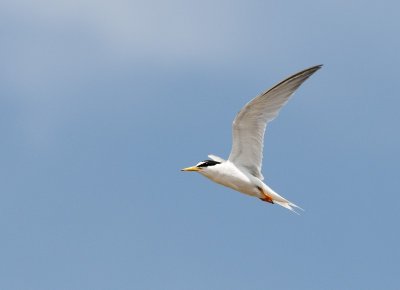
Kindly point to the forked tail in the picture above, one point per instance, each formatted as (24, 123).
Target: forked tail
(289, 205)
(276, 198)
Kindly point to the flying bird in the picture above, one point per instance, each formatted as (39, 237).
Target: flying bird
(242, 170)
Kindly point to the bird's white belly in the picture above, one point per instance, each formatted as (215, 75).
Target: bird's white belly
(230, 176)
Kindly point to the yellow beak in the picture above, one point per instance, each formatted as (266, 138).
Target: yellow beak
(193, 168)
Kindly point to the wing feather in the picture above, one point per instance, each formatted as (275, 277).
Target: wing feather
(250, 123)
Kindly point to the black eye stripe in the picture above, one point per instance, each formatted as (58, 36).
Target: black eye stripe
(207, 163)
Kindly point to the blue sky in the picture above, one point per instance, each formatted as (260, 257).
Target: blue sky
(103, 102)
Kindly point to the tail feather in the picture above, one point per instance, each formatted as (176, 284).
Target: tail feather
(276, 198)
(289, 205)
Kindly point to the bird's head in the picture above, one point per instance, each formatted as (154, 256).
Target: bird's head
(202, 166)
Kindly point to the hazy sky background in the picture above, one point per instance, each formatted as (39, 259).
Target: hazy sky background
(103, 102)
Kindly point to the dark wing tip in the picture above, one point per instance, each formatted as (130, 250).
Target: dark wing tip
(310, 70)
(298, 78)
(317, 67)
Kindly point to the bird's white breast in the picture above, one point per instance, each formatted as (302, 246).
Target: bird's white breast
(228, 174)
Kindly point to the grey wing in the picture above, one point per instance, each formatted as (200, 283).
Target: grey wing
(249, 125)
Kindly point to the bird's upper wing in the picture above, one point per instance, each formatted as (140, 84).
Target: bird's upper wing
(249, 125)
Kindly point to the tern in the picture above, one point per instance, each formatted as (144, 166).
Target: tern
(242, 170)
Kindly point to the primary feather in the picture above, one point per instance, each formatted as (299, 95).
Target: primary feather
(250, 123)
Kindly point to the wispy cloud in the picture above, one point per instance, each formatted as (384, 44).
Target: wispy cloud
(121, 30)
(51, 47)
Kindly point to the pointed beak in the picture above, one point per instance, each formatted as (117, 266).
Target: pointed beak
(193, 168)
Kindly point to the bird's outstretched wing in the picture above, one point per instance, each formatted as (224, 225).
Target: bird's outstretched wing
(249, 125)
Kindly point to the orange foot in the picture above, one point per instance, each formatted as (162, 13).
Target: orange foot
(267, 199)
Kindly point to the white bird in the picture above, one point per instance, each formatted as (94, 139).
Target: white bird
(242, 170)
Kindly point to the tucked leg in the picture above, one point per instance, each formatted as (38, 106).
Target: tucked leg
(267, 199)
